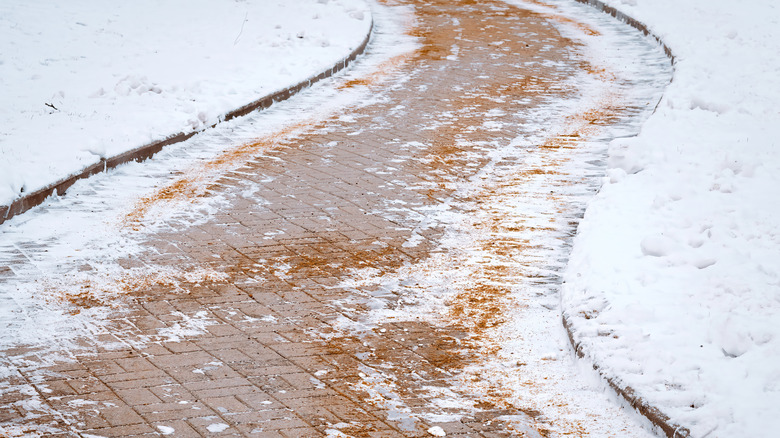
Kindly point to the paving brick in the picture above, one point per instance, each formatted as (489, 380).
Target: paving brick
(309, 394)
(202, 425)
(218, 384)
(231, 355)
(136, 364)
(140, 383)
(122, 431)
(172, 392)
(138, 396)
(260, 400)
(276, 424)
(226, 404)
(92, 421)
(302, 432)
(173, 411)
(103, 367)
(258, 432)
(53, 388)
(180, 429)
(316, 415)
(120, 416)
(86, 386)
(194, 358)
(227, 391)
(181, 346)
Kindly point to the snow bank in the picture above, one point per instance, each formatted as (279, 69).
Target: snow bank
(87, 79)
(674, 282)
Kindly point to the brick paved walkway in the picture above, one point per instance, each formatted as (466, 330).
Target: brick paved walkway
(327, 200)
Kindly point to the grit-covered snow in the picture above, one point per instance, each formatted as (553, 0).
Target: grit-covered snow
(86, 79)
(674, 283)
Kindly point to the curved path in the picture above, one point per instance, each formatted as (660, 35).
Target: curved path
(359, 274)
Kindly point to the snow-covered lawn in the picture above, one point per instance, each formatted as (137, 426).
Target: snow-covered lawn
(86, 79)
(674, 283)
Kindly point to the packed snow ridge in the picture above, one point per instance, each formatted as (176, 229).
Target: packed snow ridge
(674, 283)
(86, 79)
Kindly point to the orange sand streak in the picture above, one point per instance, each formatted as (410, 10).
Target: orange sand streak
(193, 185)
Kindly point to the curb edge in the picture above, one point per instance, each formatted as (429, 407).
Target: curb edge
(629, 394)
(141, 153)
(631, 21)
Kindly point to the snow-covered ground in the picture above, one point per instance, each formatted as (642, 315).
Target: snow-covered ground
(88, 79)
(674, 282)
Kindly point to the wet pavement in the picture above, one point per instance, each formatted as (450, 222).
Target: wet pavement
(293, 303)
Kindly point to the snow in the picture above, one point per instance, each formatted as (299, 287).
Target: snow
(673, 286)
(85, 80)
(166, 430)
(436, 431)
(217, 427)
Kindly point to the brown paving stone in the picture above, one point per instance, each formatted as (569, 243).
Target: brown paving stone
(181, 346)
(264, 421)
(87, 386)
(139, 396)
(209, 385)
(54, 388)
(121, 416)
(123, 431)
(260, 433)
(93, 421)
(136, 364)
(181, 428)
(194, 358)
(173, 411)
(103, 367)
(226, 404)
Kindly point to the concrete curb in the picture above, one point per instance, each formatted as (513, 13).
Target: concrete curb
(636, 24)
(642, 406)
(33, 199)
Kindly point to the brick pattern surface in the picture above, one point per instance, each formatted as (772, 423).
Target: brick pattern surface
(331, 198)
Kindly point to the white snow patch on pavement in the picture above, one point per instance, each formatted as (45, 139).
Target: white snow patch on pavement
(166, 430)
(436, 431)
(85, 80)
(217, 427)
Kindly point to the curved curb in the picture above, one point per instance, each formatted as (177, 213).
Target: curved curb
(33, 199)
(642, 406)
(636, 24)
